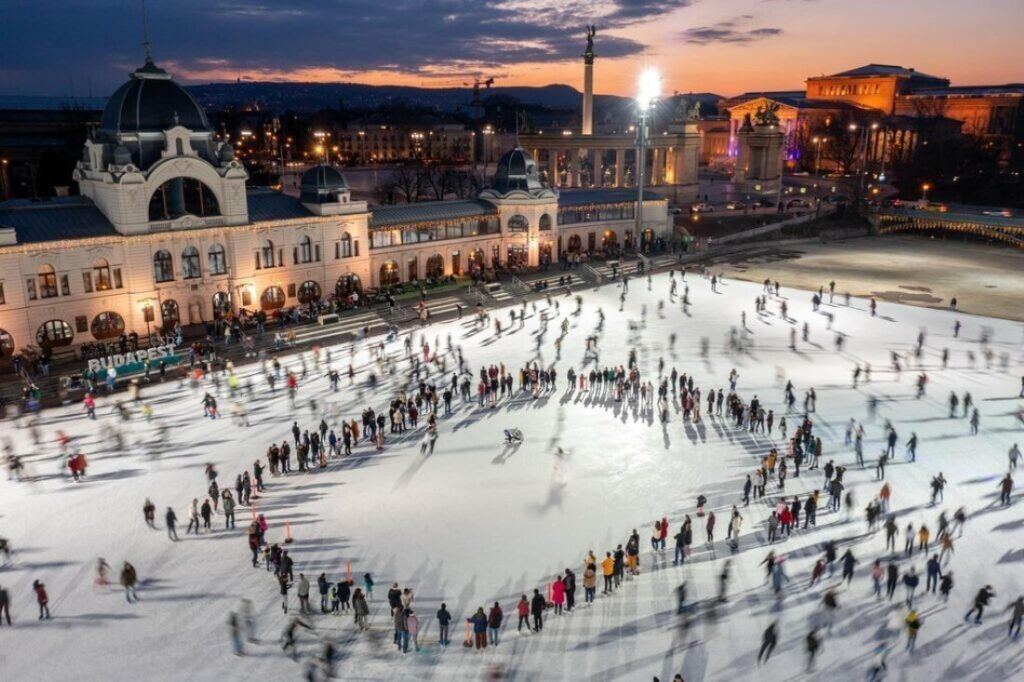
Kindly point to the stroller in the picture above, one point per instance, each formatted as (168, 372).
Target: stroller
(513, 436)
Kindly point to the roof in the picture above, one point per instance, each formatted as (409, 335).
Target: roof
(151, 102)
(970, 91)
(268, 204)
(403, 214)
(43, 220)
(608, 195)
(883, 70)
(795, 99)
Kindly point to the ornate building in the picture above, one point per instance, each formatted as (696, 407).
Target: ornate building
(166, 230)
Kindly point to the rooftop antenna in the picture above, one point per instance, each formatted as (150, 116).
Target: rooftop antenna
(146, 43)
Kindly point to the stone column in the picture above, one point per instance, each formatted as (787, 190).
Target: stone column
(574, 168)
(620, 167)
(657, 166)
(597, 166)
(553, 167)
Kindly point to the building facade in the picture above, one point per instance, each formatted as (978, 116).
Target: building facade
(166, 231)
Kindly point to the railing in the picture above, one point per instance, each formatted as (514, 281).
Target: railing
(518, 286)
(594, 274)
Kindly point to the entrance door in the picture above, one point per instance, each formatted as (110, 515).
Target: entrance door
(456, 263)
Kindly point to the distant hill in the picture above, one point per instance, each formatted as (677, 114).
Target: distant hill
(314, 96)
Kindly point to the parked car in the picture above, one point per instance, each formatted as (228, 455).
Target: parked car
(702, 207)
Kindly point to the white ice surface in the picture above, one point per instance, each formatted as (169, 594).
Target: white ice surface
(478, 522)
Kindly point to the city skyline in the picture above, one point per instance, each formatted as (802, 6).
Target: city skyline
(726, 46)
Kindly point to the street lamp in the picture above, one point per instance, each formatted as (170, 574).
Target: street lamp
(817, 164)
(924, 191)
(649, 87)
(322, 146)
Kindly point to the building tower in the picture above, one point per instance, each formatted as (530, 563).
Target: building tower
(587, 127)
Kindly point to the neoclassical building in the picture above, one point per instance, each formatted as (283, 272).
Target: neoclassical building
(165, 230)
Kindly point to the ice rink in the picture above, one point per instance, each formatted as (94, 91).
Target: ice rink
(478, 521)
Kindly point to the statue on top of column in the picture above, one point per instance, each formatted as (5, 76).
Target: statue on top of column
(588, 54)
(684, 111)
(767, 115)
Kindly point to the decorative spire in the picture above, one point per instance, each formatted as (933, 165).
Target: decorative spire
(146, 43)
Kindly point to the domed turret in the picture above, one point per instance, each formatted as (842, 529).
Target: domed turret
(516, 171)
(322, 184)
(150, 102)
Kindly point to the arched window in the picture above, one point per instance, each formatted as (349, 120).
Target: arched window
(182, 196)
(169, 313)
(221, 304)
(348, 285)
(518, 223)
(190, 266)
(55, 332)
(6, 344)
(435, 266)
(216, 260)
(268, 254)
(476, 260)
(107, 324)
(389, 274)
(101, 274)
(305, 250)
(346, 245)
(163, 266)
(47, 281)
(545, 222)
(309, 291)
(272, 298)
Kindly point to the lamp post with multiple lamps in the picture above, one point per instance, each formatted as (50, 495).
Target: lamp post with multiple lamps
(817, 165)
(648, 91)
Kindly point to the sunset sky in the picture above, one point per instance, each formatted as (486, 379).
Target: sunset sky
(58, 47)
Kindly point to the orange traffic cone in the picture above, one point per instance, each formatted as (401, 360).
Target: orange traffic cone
(288, 533)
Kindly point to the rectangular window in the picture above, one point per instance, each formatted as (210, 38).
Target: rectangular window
(118, 284)
(337, 250)
(291, 291)
(81, 324)
(247, 295)
(65, 286)
(295, 256)
(257, 254)
(3, 299)
(316, 251)
(30, 284)
(87, 282)
(280, 257)
(355, 249)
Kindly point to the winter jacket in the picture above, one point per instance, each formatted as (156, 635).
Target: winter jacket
(537, 605)
(495, 617)
(479, 621)
(589, 578)
(303, 587)
(360, 606)
(412, 624)
(399, 620)
(443, 617)
(558, 592)
(523, 608)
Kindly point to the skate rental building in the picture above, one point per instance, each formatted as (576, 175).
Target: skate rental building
(165, 230)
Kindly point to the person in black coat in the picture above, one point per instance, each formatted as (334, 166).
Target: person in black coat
(570, 589)
(537, 606)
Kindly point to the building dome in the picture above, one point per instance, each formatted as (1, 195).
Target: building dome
(516, 171)
(322, 184)
(150, 102)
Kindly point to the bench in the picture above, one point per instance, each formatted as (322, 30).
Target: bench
(328, 318)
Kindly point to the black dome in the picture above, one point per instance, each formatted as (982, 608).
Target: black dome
(151, 102)
(321, 183)
(516, 170)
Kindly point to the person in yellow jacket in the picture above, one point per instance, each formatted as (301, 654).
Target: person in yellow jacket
(608, 570)
(913, 625)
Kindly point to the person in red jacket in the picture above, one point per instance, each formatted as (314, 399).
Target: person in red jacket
(523, 609)
(42, 599)
(664, 532)
(558, 594)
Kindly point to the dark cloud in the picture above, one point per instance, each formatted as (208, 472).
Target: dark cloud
(727, 32)
(90, 44)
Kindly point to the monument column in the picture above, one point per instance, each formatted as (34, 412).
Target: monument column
(597, 166)
(587, 123)
(620, 167)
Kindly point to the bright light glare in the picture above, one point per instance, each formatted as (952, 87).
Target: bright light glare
(649, 87)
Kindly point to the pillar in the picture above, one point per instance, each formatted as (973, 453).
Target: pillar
(587, 127)
(597, 164)
(553, 167)
(574, 168)
(620, 167)
(656, 156)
